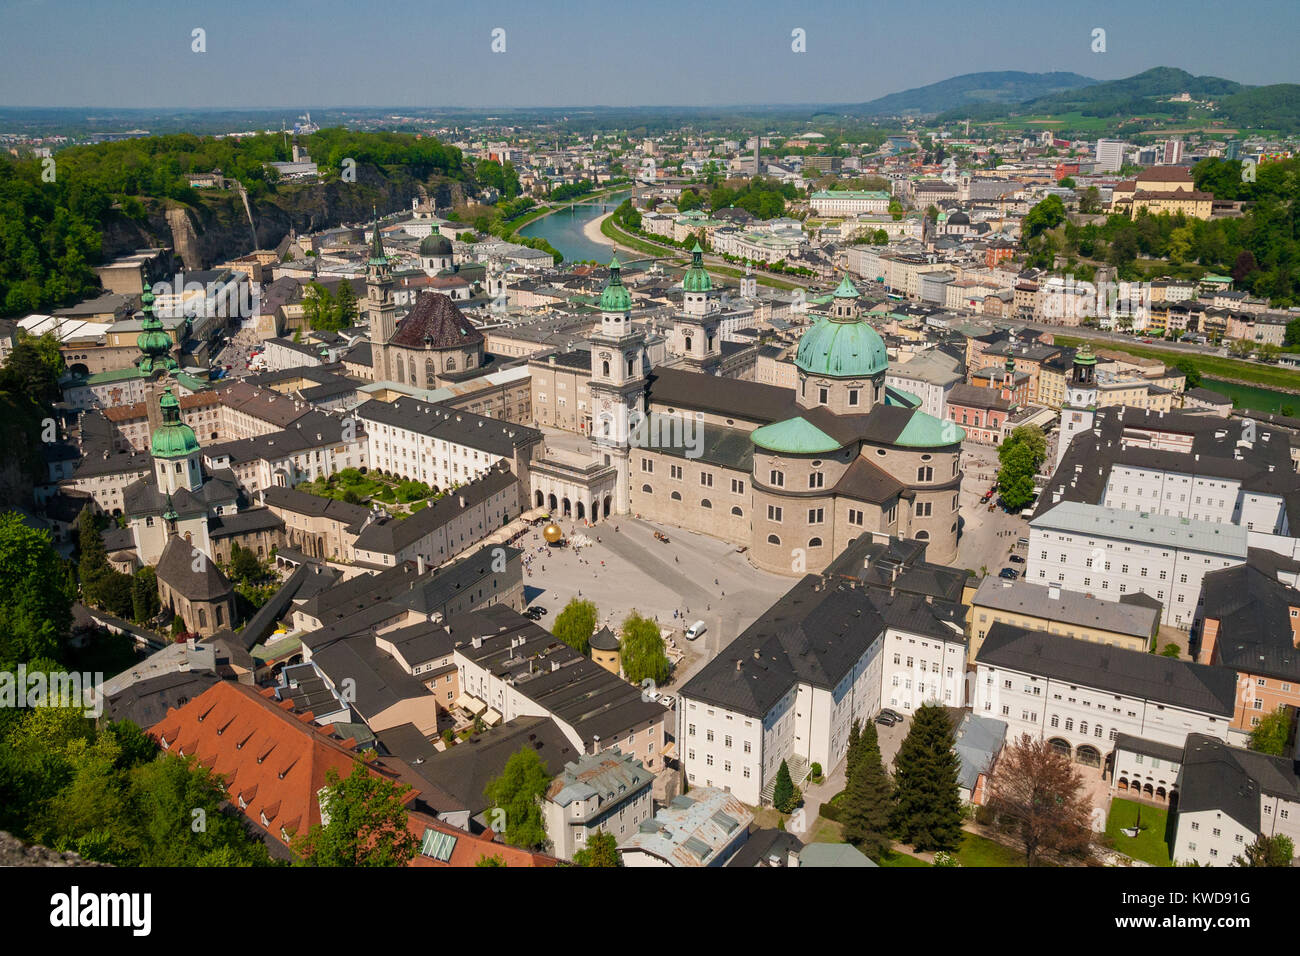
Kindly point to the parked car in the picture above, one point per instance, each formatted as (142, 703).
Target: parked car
(667, 701)
(1009, 573)
(695, 630)
(534, 613)
(885, 719)
(1016, 559)
(893, 714)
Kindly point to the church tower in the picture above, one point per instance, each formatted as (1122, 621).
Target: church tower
(617, 382)
(381, 309)
(695, 330)
(175, 450)
(153, 341)
(1080, 406)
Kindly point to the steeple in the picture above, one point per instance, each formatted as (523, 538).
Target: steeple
(696, 278)
(615, 297)
(377, 256)
(154, 343)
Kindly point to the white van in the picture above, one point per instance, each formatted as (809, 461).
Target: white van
(695, 630)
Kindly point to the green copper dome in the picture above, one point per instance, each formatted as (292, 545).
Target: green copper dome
(173, 438)
(794, 436)
(615, 297)
(1084, 356)
(696, 279)
(842, 349)
(846, 289)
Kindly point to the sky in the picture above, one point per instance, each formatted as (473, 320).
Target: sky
(434, 53)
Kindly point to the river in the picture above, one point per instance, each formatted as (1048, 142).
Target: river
(563, 229)
(1253, 397)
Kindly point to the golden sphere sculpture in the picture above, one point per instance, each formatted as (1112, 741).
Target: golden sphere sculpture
(552, 533)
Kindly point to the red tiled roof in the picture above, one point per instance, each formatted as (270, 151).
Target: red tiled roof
(276, 760)
(435, 321)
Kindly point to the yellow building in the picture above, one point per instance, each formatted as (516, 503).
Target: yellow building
(1130, 623)
(605, 651)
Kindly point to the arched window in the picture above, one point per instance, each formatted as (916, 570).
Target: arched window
(815, 543)
(676, 496)
(923, 536)
(630, 365)
(737, 512)
(647, 489)
(688, 343)
(451, 362)
(604, 369)
(773, 539)
(706, 503)
(430, 373)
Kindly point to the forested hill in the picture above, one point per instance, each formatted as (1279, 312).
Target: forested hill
(98, 202)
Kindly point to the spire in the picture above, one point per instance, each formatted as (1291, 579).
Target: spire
(377, 256)
(696, 278)
(153, 341)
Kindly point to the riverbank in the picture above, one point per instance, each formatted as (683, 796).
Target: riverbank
(591, 231)
(1210, 366)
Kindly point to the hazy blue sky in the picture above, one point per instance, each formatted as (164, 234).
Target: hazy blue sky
(112, 53)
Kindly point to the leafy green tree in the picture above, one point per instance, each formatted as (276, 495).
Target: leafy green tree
(601, 850)
(928, 811)
(494, 860)
(1292, 334)
(145, 603)
(345, 306)
(576, 623)
(1046, 215)
(35, 603)
(642, 650)
(867, 805)
(1190, 372)
(518, 793)
(1271, 734)
(1274, 851)
(785, 795)
(364, 823)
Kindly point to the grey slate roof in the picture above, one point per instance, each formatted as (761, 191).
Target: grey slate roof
(1164, 680)
(1254, 615)
(1231, 780)
(176, 569)
(1069, 607)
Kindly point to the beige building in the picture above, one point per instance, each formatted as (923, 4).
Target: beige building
(1131, 625)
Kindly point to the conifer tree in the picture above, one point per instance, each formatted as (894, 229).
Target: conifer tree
(867, 805)
(785, 796)
(928, 811)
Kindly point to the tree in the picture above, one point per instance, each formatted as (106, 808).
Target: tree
(318, 308)
(1041, 794)
(867, 804)
(928, 811)
(364, 823)
(1046, 215)
(785, 796)
(576, 623)
(1190, 372)
(1090, 200)
(1016, 476)
(494, 860)
(518, 794)
(35, 601)
(1270, 735)
(1274, 851)
(345, 305)
(1292, 335)
(601, 850)
(145, 603)
(642, 650)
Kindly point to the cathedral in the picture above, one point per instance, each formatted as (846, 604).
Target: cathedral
(433, 344)
(791, 475)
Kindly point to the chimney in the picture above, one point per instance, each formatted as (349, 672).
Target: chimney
(419, 564)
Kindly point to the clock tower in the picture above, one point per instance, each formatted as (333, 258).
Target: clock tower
(1080, 406)
(617, 382)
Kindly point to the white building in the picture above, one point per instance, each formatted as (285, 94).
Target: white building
(1227, 797)
(1081, 696)
(848, 202)
(1110, 553)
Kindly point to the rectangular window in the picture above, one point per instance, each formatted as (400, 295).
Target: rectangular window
(773, 513)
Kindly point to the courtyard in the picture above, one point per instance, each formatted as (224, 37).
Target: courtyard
(629, 569)
(987, 537)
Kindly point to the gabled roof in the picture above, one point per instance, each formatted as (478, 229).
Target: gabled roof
(194, 577)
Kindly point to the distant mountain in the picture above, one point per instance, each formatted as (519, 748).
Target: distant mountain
(1008, 86)
(1147, 95)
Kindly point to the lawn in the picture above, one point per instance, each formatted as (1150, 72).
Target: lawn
(981, 851)
(899, 860)
(1149, 846)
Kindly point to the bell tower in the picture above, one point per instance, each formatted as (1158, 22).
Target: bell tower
(1080, 406)
(695, 330)
(380, 307)
(617, 383)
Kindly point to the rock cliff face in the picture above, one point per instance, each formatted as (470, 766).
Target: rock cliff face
(219, 230)
(13, 852)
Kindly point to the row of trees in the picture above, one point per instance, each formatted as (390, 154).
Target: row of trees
(329, 313)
